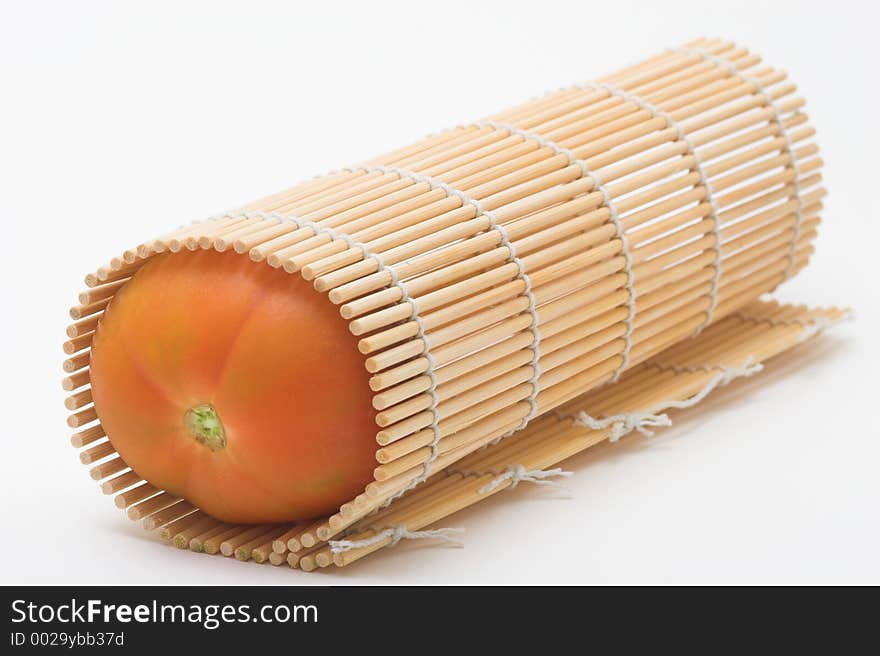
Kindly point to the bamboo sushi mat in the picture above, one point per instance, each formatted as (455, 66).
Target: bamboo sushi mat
(597, 249)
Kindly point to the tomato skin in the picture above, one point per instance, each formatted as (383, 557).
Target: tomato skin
(266, 350)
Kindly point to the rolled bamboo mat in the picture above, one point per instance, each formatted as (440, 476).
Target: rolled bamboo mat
(501, 270)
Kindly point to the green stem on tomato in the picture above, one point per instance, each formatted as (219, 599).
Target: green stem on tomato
(205, 426)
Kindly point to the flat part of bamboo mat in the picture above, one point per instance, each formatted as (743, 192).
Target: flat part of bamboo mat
(759, 332)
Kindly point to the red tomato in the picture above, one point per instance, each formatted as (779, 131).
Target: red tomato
(236, 386)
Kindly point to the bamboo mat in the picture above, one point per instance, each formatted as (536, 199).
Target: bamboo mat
(522, 286)
(761, 331)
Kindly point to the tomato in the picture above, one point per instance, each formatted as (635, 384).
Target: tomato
(235, 386)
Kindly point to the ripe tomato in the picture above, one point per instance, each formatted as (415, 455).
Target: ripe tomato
(236, 386)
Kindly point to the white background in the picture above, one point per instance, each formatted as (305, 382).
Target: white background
(121, 120)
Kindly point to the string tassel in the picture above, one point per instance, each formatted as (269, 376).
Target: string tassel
(398, 533)
(518, 473)
(625, 423)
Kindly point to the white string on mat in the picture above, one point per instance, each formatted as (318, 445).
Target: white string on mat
(397, 533)
(715, 213)
(535, 346)
(516, 474)
(543, 142)
(783, 132)
(626, 422)
(527, 135)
